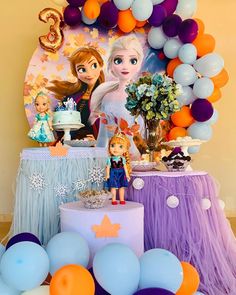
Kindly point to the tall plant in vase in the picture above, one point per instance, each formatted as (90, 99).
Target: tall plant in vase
(153, 96)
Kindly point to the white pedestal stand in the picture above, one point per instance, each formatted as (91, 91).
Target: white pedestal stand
(67, 128)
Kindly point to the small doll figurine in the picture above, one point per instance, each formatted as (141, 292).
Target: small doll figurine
(118, 166)
(42, 128)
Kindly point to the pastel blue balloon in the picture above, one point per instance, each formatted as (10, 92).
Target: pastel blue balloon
(24, 266)
(188, 53)
(203, 87)
(187, 96)
(2, 250)
(213, 118)
(186, 8)
(117, 269)
(172, 47)
(161, 269)
(86, 20)
(194, 149)
(67, 248)
(141, 9)
(156, 38)
(7, 290)
(123, 4)
(198, 293)
(185, 75)
(200, 130)
(154, 2)
(209, 65)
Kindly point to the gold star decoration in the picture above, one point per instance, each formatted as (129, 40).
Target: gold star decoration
(106, 229)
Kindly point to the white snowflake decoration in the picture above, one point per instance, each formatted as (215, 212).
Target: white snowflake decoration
(80, 185)
(61, 190)
(37, 181)
(96, 175)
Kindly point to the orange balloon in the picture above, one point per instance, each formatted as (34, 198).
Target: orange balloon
(221, 79)
(191, 280)
(182, 118)
(216, 95)
(177, 132)
(201, 26)
(91, 9)
(140, 24)
(172, 65)
(204, 43)
(72, 280)
(102, 1)
(126, 21)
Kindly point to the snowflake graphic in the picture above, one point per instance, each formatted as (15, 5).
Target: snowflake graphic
(37, 181)
(96, 175)
(61, 190)
(79, 185)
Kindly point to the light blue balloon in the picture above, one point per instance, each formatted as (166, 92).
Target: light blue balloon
(188, 53)
(186, 8)
(161, 269)
(194, 149)
(172, 47)
(86, 20)
(156, 38)
(213, 118)
(7, 290)
(209, 65)
(123, 4)
(154, 2)
(141, 9)
(24, 266)
(2, 250)
(200, 131)
(187, 96)
(67, 248)
(198, 293)
(117, 269)
(185, 75)
(203, 87)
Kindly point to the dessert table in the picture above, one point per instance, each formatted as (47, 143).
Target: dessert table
(182, 214)
(44, 182)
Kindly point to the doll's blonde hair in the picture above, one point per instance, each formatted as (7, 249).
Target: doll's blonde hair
(120, 138)
(44, 95)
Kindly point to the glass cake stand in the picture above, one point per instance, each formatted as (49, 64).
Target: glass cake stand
(184, 143)
(67, 128)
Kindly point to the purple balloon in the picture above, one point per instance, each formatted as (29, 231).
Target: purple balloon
(158, 16)
(188, 30)
(170, 6)
(171, 25)
(72, 16)
(202, 110)
(108, 17)
(153, 291)
(22, 237)
(98, 289)
(76, 3)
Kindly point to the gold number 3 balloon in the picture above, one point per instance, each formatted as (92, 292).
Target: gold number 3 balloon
(54, 39)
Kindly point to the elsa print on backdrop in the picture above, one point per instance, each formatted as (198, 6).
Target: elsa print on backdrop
(124, 63)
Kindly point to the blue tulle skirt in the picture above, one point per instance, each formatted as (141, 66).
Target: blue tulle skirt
(117, 178)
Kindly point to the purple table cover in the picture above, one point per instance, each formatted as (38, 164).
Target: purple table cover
(196, 235)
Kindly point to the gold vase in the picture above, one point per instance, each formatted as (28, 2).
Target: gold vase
(153, 134)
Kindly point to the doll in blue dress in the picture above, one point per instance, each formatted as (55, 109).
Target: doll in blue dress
(42, 127)
(118, 166)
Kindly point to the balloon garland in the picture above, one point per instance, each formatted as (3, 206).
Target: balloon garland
(192, 62)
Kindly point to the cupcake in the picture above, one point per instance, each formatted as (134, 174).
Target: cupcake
(176, 161)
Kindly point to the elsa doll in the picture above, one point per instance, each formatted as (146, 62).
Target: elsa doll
(124, 63)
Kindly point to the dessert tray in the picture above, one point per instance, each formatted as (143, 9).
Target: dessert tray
(143, 165)
(80, 143)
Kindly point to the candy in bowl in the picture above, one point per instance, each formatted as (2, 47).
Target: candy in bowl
(92, 199)
(143, 165)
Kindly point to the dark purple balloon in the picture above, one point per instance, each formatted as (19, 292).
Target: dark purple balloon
(188, 30)
(98, 289)
(108, 17)
(72, 16)
(76, 3)
(22, 237)
(171, 25)
(170, 6)
(202, 110)
(158, 16)
(153, 291)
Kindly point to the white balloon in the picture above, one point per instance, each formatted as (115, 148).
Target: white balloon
(209, 65)
(62, 3)
(188, 53)
(186, 8)
(187, 96)
(222, 204)
(142, 9)
(138, 183)
(156, 38)
(42, 290)
(205, 203)
(154, 2)
(172, 47)
(185, 75)
(123, 4)
(172, 202)
(86, 20)
(203, 87)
